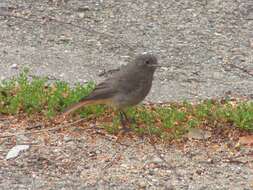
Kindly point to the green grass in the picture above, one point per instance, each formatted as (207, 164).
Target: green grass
(38, 96)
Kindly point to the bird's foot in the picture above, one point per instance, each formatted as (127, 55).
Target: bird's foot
(124, 131)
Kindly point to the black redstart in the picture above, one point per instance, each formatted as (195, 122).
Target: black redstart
(128, 87)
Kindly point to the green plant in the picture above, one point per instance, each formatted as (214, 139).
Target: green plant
(38, 95)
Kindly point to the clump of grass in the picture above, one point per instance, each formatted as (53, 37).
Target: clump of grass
(37, 95)
(113, 128)
(240, 115)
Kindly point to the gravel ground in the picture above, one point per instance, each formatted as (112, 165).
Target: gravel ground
(201, 45)
(85, 157)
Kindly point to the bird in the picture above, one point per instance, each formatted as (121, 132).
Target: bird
(125, 88)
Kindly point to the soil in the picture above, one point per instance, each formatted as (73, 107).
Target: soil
(84, 156)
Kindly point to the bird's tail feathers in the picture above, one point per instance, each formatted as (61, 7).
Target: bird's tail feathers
(82, 103)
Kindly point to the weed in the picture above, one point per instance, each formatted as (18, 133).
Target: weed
(37, 95)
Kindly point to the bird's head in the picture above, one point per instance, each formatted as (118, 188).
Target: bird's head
(147, 61)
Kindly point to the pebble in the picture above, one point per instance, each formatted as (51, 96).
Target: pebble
(81, 14)
(67, 138)
(14, 66)
(82, 81)
(16, 150)
(142, 184)
(83, 9)
(164, 68)
(157, 160)
(124, 165)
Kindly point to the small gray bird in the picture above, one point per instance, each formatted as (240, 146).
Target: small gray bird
(128, 87)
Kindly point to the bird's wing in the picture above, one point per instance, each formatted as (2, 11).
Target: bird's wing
(104, 90)
(124, 81)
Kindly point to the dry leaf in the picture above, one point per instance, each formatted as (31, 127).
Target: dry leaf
(246, 140)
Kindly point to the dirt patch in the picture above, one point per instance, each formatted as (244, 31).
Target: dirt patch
(86, 157)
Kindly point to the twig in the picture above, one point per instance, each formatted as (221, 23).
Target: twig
(231, 160)
(43, 130)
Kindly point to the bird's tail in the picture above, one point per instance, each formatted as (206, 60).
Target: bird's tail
(82, 103)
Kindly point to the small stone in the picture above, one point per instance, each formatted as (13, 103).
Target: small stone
(164, 68)
(81, 14)
(83, 9)
(14, 66)
(124, 165)
(67, 138)
(92, 125)
(15, 151)
(142, 184)
(164, 81)
(82, 81)
(157, 160)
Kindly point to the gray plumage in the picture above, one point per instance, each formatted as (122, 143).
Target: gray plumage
(127, 87)
(130, 85)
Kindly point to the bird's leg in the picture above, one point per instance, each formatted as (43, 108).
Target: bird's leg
(121, 118)
(129, 120)
(124, 120)
(125, 116)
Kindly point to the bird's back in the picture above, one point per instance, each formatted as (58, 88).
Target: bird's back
(132, 86)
